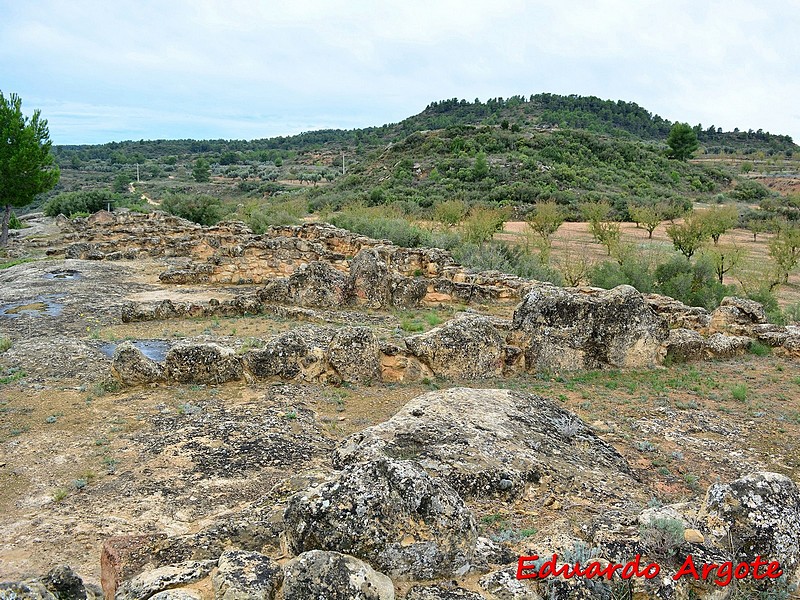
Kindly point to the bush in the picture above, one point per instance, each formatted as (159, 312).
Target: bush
(370, 223)
(694, 284)
(15, 223)
(662, 537)
(503, 257)
(202, 209)
(71, 203)
(5, 343)
(261, 217)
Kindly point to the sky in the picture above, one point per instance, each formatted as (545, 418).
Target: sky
(115, 70)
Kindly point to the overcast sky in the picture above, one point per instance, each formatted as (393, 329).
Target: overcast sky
(113, 70)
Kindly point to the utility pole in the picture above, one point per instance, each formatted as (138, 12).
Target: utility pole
(137, 174)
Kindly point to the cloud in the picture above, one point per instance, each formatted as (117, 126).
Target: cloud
(252, 69)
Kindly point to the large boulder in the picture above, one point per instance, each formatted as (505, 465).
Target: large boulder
(467, 347)
(369, 280)
(297, 354)
(758, 514)
(246, 576)
(719, 345)
(390, 513)
(333, 576)
(685, 345)
(489, 442)
(737, 316)
(317, 284)
(202, 363)
(589, 329)
(132, 367)
(145, 585)
(354, 352)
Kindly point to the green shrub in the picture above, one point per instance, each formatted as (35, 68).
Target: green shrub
(694, 284)
(5, 343)
(88, 202)
(369, 222)
(499, 256)
(770, 304)
(289, 212)
(199, 208)
(739, 392)
(15, 223)
(662, 537)
(759, 349)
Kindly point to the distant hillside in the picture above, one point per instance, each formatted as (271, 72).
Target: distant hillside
(539, 111)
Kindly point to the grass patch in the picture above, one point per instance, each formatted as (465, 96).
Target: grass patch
(759, 349)
(739, 392)
(14, 262)
(12, 375)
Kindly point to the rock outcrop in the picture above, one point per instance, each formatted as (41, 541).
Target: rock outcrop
(334, 576)
(467, 347)
(758, 514)
(390, 513)
(202, 363)
(246, 576)
(493, 442)
(132, 367)
(567, 330)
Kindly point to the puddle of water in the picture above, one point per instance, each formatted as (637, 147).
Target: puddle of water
(63, 274)
(35, 308)
(153, 349)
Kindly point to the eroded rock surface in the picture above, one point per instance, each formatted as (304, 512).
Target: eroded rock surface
(486, 442)
(599, 328)
(390, 513)
(758, 514)
(467, 347)
(246, 576)
(334, 576)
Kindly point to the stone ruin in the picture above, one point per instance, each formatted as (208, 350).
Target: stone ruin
(312, 267)
(392, 510)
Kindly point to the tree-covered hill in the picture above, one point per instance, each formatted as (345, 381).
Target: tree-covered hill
(535, 112)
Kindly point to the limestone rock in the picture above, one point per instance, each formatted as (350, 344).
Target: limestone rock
(296, 354)
(441, 591)
(354, 353)
(317, 284)
(122, 557)
(369, 280)
(693, 536)
(246, 576)
(64, 583)
(720, 345)
(132, 367)
(146, 584)
(25, 590)
(489, 442)
(202, 363)
(737, 316)
(504, 585)
(389, 513)
(333, 576)
(685, 345)
(589, 329)
(467, 347)
(407, 292)
(177, 594)
(758, 514)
